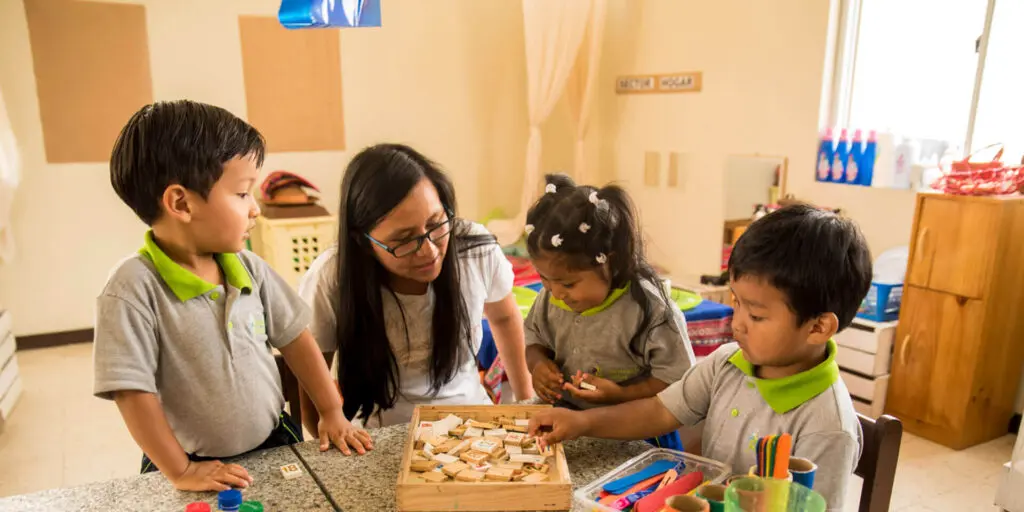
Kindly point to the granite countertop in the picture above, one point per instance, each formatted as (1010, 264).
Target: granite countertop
(357, 483)
(152, 492)
(364, 483)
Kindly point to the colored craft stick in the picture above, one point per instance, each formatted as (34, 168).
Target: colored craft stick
(622, 485)
(610, 498)
(667, 479)
(785, 446)
(682, 485)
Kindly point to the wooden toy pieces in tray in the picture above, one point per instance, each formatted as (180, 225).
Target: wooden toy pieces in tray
(480, 458)
(476, 451)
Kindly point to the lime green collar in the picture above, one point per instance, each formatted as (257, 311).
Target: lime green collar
(791, 392)
(612, 297)
(187, 285)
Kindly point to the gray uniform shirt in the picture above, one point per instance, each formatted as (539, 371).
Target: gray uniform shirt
(597, 341)
(203, 349)
(738, 408)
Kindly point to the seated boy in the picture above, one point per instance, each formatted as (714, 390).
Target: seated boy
(798, 276)
(184, 328)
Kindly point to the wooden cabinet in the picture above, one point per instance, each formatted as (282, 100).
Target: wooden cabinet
(960, 339)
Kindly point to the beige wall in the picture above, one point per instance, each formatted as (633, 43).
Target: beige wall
(763, 68)
(445, 76)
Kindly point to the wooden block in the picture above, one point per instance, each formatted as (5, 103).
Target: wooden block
(510, 465)
(486, 446)
(428, 449)
(536, 468)
(514, 450)
(529, 459)
(422, 466)
(418, 456)
(500, 455)
(454, 469)
(499, 475)
(517, 428)
(444, 458)
(534, 478)
(482, 467)
(505, 421)
(425, 431)
(532, 449)
(498, 433)
(514, 439)
(522, 423)
(421, 455)
(473, 432)
(518, 475)
(459, 431)
(434, 477)
(291, 471)
(461, 448)
(446, 446)
(546, 451)
(414, 478)
(587, 386)
(474, 457)
(470, 476)
(483, 425)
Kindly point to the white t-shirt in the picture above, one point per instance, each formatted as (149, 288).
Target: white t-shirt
(486, 276)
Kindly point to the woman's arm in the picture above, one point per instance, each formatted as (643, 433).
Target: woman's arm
(507, 326)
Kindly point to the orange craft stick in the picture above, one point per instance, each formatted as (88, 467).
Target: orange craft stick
(785, 446)
(669, 477)
(612, 498)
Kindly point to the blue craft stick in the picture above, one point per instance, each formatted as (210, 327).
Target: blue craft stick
(625, 483)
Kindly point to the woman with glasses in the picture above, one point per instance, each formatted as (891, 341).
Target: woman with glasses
(401, 297)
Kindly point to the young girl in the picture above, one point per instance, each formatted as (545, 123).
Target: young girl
(603, 331)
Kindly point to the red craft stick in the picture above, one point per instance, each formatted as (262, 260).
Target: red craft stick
(682, 485)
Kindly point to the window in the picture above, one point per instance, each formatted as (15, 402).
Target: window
(932, 70)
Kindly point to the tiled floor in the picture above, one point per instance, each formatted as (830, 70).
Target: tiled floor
(59, 436)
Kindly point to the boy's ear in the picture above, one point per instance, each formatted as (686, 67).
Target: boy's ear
(175, 203)
(823, 328)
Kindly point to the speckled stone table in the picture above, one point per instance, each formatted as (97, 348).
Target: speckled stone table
(153, 492)
(367, 483)
(357, 483)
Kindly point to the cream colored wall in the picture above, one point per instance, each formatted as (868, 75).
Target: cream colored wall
(763, 68)
(445, 76)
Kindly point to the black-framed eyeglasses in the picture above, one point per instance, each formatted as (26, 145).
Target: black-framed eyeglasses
(412, 245)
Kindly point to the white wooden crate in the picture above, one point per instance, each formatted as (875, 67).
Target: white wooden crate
(289, 246)
(864, 357)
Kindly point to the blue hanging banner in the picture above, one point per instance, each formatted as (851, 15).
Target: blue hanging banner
(329, 13)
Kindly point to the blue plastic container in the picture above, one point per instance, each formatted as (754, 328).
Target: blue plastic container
(839, 158)
(882, 303)
(823, 172)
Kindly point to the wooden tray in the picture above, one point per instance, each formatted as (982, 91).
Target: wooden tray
(555, 494)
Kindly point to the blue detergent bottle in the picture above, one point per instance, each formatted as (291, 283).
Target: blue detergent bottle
(867, 160)
(839, 158)
(851, 173)
(824, 170)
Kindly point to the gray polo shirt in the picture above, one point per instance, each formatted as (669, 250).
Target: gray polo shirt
(203, 349)
(597, 341)
(738, 408)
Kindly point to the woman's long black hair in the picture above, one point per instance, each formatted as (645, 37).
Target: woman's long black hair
(376, 180)
(612, 232)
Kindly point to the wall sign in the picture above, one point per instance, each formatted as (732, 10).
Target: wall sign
(690, 81)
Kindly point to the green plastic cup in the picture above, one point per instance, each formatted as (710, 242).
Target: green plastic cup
(753, 494)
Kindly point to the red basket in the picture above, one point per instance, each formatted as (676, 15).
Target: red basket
(967, 178)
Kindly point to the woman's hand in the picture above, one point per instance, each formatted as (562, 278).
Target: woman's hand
(335, 428)
(547, 380)
(605, 392)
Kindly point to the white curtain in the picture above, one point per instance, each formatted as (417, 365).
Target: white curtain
(582, 88)
(10, 165)
(554, 30)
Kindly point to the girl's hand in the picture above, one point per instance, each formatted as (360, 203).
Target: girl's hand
(547, 381)
(335, 428)
(607, 392)
(212, 475)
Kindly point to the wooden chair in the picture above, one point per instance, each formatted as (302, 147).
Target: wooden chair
(878, 459)
(290, 385)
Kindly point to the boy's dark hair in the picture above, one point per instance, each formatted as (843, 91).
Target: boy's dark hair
(177, 143)
(819, 260)
(612, 232)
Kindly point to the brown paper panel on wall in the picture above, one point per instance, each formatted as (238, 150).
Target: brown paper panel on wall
(293, 85)
(91, 64)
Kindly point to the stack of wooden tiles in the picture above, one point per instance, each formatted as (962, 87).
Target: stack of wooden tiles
(480, 458)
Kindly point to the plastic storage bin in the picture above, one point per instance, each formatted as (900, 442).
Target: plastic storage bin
(714, 471)
(289, 246)
(882, 303)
